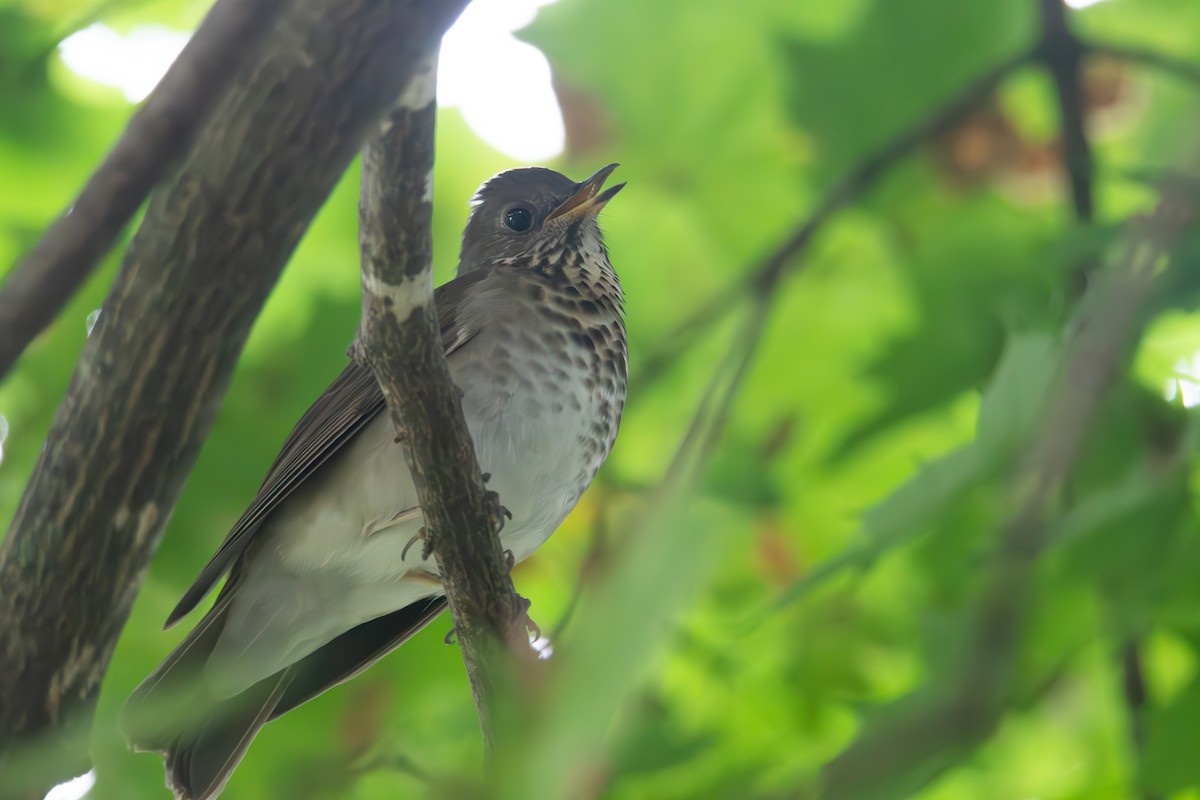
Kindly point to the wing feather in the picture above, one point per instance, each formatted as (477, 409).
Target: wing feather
(342, 410)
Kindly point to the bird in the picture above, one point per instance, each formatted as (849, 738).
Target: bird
(321, 578)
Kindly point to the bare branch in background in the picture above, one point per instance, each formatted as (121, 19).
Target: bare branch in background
(1061, 52)
(594, 561)
(1183, 70)
(401, 341)
(874, 166)
(784, 259)
(156, 366)
(971, 704)
(1135, 694)
(157, 136)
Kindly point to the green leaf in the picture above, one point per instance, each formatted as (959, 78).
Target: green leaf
(904, 57)
(1170, 762)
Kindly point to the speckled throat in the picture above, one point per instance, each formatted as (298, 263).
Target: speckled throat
(576, 291)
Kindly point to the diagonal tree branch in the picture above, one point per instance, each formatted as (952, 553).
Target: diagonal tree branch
(970, 705)
(154, 370)
(785, 258)
(157, 136)
(401, 341)
(1146, 57)
(1055, 34)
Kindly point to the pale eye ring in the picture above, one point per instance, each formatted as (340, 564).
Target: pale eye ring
(519, 219)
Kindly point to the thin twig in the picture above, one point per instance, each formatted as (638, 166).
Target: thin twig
(1061, 52)
(593, 561)
(968, 709)
(157, 136)
(400, 340)
(1183, 70)
(783, 259)
(874, 166)
(395, 760)
(574, 713)
(1133, 687)
(1078, 163)
(1136, 695)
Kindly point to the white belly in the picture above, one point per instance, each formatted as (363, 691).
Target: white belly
(344, 549)
(526, 439)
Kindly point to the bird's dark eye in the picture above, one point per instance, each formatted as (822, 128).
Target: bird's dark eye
(519, 219)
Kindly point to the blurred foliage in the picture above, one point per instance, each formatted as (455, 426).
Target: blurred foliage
(827, 564)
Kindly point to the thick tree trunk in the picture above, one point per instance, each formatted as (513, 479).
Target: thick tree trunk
(157, 136)
(155, 368)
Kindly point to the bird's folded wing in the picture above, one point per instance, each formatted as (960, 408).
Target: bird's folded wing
(350, 402)
(358, 648)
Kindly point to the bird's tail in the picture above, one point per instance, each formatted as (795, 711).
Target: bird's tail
(202, 739)
(201, 758)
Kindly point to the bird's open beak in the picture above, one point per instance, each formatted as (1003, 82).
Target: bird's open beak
(588, 199)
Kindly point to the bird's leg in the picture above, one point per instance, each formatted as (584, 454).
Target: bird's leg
(531, 627)
(419, 535)
(450, 636)
(523, 603)
(427, 547)
(497, 512)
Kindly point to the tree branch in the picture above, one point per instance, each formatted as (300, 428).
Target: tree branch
(1071, 114)
(594, 561)
(154, 370)
(1061, 52)
(785, 257)
(971, 705)
(864, 176)
(157, 136)
(401, 341)
(1181, 69)
(1136, 696)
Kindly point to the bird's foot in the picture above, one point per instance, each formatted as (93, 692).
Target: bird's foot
(426, 537)
(450, 636)
(531, 627)
(411, 542)
(426, 548)
(511, 560)
(497, 512)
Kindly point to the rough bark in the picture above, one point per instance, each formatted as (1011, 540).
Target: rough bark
(157, 136)
(401, 341)
(147, 386)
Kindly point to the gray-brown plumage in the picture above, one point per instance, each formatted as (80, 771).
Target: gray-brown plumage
(322, 581)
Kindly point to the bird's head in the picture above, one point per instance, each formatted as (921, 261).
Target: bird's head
(535, 217)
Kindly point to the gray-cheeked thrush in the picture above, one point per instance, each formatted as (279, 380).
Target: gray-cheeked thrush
(322, 580)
